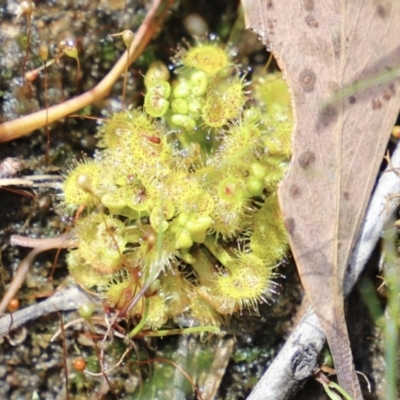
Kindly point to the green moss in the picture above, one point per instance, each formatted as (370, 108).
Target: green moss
(22, 41)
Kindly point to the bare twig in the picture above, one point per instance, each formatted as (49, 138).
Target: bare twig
(33, 181)
(16, 182)
(223, 351)
(298, 358)
(93, 321)
(111, 368)
(62, 241)
(27, 124)
(65, 300)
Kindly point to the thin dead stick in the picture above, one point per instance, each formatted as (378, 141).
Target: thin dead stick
(27, 124)
(65, 300)
(298, 358)
(212, 381)
(16, 182)
(46, 177)
(62, 241)
(66, 326)
(111, 368)
(33, 181)
(94, 320)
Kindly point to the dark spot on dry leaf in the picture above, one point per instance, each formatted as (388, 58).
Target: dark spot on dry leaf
(389, 92)
(270, 4)
(336, 42)
(295, 191)
(306, 159)
(307, 80)
(346, 195)
(328, 115)
(352, 100)
(270, 24)
(308, 5)
(311, 21)
(381, 11)
(376, 104)
(387, 95)
(290, 225)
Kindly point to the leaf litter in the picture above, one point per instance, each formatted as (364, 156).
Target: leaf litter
(338, 146)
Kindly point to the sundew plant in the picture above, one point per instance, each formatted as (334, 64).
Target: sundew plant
(178, 213)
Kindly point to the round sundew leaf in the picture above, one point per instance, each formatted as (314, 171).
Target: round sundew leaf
(206, 57)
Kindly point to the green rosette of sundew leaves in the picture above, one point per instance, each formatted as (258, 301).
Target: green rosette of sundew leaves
(180, 216)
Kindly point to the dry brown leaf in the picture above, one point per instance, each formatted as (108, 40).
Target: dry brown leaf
(337, 147)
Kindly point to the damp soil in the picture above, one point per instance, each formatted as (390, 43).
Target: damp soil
(30, 363)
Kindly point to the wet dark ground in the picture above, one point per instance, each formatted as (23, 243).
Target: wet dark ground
(29, 362)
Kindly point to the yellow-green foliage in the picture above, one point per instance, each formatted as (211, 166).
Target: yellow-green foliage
(183, 192)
